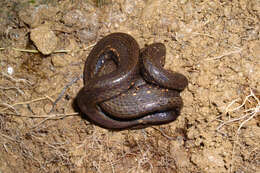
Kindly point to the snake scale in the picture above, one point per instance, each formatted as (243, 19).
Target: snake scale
(126, 87)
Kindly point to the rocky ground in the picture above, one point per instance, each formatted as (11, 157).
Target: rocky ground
(44, 45)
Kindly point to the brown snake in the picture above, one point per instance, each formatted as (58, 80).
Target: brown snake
(125, 87)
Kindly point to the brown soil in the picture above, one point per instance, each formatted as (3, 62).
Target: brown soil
(214, 43)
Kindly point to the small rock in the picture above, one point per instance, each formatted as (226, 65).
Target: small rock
(85, 23)
(44, 39)
(59, 61)
(75, 18)
(86, 35)
(34, 16)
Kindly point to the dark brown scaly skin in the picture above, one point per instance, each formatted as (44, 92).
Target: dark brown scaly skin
(110, 99)
(153, 58)
(142, 100)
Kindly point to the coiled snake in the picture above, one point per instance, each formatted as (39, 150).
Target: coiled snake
(125, 87)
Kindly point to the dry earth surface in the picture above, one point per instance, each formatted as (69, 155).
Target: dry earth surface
(214, 43)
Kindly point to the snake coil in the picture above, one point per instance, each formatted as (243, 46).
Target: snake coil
(126, 88)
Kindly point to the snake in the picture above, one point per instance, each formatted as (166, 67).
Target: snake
(126, 87)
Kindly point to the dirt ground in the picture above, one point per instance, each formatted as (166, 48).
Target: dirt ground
(214, 43)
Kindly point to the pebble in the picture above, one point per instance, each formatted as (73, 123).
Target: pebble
(44, 39)
(59, 61)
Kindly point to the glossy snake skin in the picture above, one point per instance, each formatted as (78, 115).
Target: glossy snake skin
(127, 88)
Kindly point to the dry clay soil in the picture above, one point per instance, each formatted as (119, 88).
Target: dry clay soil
(214, 43)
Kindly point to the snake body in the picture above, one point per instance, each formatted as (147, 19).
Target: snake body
(125, 87)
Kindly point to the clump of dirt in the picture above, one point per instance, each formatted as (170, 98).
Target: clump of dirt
(214, 43)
